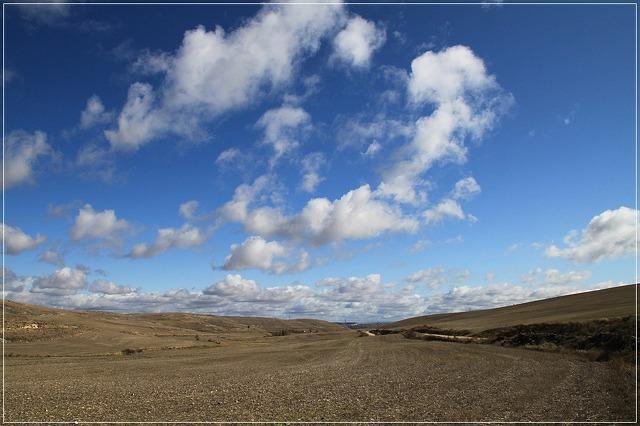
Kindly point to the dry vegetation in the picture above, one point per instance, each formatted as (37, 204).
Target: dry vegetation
(614, 302)
(159, 367)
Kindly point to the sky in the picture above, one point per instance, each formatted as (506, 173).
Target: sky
(338, 161)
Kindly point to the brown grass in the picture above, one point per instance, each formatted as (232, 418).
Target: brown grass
(609, 303)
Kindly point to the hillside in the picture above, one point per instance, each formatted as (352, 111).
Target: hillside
(75, 366)
(90, 332)
(608, 303)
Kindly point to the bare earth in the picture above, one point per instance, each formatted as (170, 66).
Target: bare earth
(321, 377)
(65, 365)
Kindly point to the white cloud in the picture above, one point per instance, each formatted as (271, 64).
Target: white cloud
(45, 14)
(109, 287)
(257, 253)
(227, 156)
(52, 256)
(283, 128)
(450, 207)
(234, 287)
(441, 77)
(310, 181)
(150, 63)
(466, 298)
(311, 163)
(465, 189)
(64, 209)
(436, 277)
(184, 237)
(14, 283)
(90, 224)
(365, 298)
(236, 209)
(91, 155)
(23, 151)
(16, 241)
(94, 113)
(445, 209)
(62, 282)
(214, 72)
(96, 162)
(352, 289)
(311, 85)
(514, 247)
(454, 240)
(373, 131)
(467, 102)
(358, 214)
(138, 121)
(610, 234)
(553, 277)
(355, 44)
(431, 277)
(419, 245)
(373, 149)
(188, 209)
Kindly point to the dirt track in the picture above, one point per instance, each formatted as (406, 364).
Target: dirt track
(321, 377)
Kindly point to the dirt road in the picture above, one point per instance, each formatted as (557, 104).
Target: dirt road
(321, 377)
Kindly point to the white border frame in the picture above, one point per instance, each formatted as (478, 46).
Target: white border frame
(328, 3)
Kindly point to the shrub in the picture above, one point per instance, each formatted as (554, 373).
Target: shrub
(129, 351)
(410, 334)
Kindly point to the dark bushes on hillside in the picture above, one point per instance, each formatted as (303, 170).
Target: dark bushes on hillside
(384, 331)
(129, 351)
(443, 331)
(608, 335)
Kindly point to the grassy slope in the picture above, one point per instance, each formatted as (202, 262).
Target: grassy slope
(608, 303)
(19, 312)
(81, 332)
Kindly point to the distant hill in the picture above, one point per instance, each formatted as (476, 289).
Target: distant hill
(90, 332)
(608, 303)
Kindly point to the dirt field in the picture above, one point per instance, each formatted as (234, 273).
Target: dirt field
(73, 366)
(321, 377)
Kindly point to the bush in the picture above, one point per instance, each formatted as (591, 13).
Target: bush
(129, 351)
(410, 334)
(443, 331)
(606, 337)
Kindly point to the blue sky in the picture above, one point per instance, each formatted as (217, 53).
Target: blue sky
(337, 161)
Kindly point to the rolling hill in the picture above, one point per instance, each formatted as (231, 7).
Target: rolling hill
(38, 329)
(608, 303)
